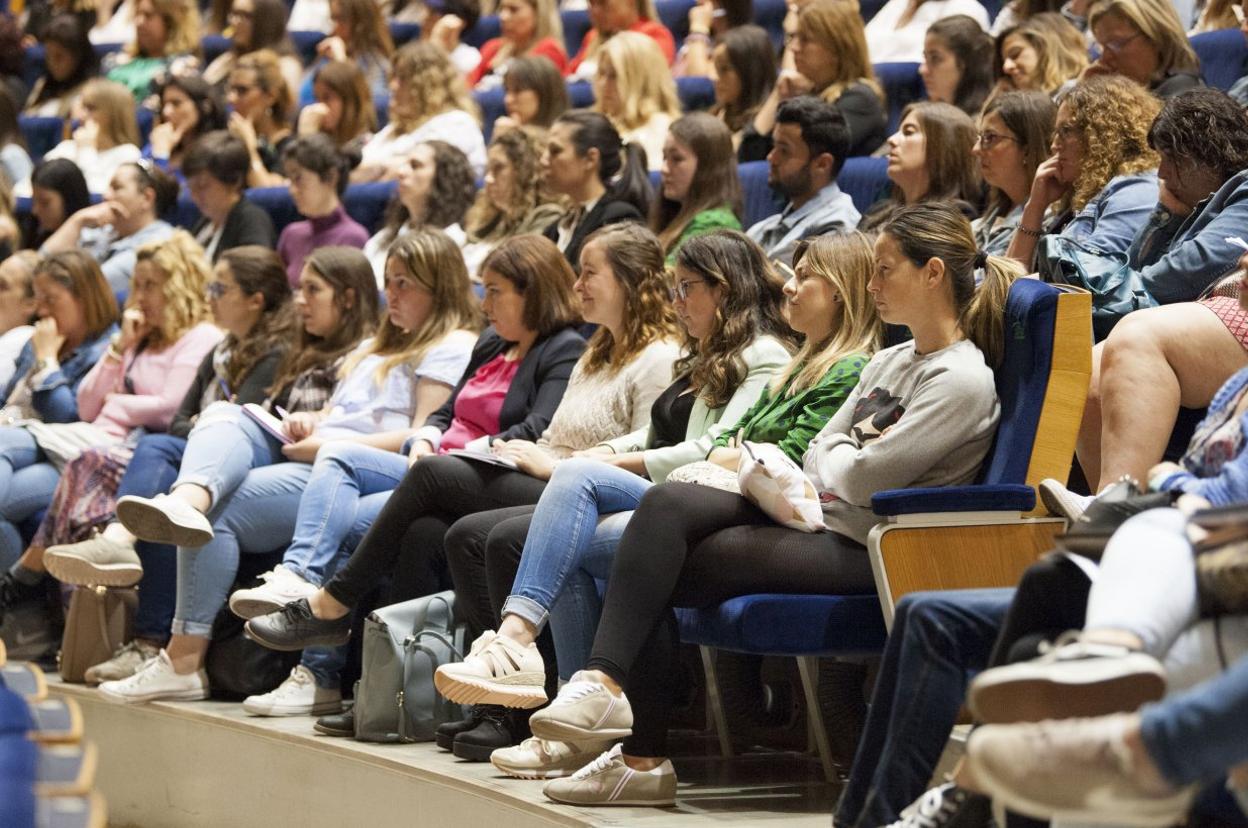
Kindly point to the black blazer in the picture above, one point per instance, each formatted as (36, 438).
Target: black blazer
(535, 390)
(246, 224)
(606, 211)
(253, 389)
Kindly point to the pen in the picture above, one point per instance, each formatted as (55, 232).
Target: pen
(225, 389)
(281, 412)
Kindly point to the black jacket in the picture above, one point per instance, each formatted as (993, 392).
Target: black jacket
(535, 390)
(606, 211)
(246, 224)
(253, 389)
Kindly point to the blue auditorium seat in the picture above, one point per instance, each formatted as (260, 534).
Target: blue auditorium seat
(366, 203)
(695, 94)
(487, 28)
(760, 200)
(580, 94)
(381, 104)
(491, 105)
(214, 46)
(902, 85)
(18, 758)
(674, 14)
(770, 15)
(146, 119)
(32, 64)
(865, 180)
(868, 8)
(106, 49)
(575, 26)
(305, 44)
(1223, 56)
(402, 33)
(41, 134)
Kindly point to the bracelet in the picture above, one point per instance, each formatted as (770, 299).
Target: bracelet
(1035, 234)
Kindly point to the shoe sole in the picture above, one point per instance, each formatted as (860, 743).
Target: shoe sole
(182, 695)
(636, 803)
(466, 691)
(341, 733)
(556, 731)
(1057, 504)
(148, 523)
(279, 712)
(290, 646)
(443, 741)
(550, 772)
(1039, 698)
(474, 753)
(73, 570)
(249, 608)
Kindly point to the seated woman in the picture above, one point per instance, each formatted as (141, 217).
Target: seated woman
(830, 60)
(436, 189)
(57, 191)
(633, 88)
(420, 355)
(318, 177)
(1015, 132)
(139, 383)
(69, 62)
(270, 356)
(360, 36)
(743, 66)
(1100, 184)
(514, 199)
(709, 23)
(612, 187)
(127, 218)
(957, 65)
(1144, 41)
(929, 159)
(611, 18)
(215, 169)
(15, 163)
(189, 109)
(344, 107)
(257, 25)
(17, 313)
(108, 137)
(262, 106)
(428, 102)
(445, 25)
(530, 28)
(1044, 52)
(698, 187)
(897, 31)
(166, 40)
(938, 394)
(534, 94)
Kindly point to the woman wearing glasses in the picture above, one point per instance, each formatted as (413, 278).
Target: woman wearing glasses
(1015, 131)
(1144, 41)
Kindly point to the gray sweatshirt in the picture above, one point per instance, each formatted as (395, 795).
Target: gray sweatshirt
(912, 421)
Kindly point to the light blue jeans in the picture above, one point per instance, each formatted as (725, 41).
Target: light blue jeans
(27, 481)
(569, 549)
(222, 448)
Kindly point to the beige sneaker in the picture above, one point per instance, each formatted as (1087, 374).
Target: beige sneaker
(608, 781)
(536, 758)
(584, 711)
(96, 561)
(124, 663)
(497, 671)
(164, 519)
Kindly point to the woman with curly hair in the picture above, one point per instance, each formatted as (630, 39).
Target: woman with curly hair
(514, 199)
(635, 90)
(1143, 40)
(436, 188)
(428, 102)
(1044, 52)
(1100, 184)
(361, 36)
(166, 37)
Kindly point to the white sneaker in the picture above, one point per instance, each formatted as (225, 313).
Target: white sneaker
(536, 758)
(584, 711)
(157, 681)
(1061, 501)
(164, 519)
(497, 671)
(280, 587)
(298, 695)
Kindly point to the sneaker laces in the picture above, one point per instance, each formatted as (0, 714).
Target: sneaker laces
(604, 761)
(298, 679)
(934, 808)
(574, 691)
(149, 672)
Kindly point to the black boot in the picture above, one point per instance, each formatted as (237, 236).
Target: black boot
(493, 732)
(338, 724)
(14, 592)
(445, 735)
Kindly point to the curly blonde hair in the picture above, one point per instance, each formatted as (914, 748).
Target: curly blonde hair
(186, 271)
(1112, 115)
(523, 147)
(433, 83)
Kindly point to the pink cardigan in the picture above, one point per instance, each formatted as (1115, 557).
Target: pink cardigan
(160, 380)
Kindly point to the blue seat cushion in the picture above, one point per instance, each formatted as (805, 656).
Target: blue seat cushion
(789, 625)
(1223, 55)
(1005, 498)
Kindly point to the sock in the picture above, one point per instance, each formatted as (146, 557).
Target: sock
(23, 575)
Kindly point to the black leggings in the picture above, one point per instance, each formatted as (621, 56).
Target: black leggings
(444, 487)
(693, 546)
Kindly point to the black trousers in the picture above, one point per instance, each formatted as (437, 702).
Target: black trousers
(693, 546)
(445, 488)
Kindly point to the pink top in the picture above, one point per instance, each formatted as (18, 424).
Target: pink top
(479, 402)
(158, 382)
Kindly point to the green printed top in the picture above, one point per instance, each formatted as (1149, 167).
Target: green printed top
(717, 218)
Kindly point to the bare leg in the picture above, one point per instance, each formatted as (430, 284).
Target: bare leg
(187, 653)
(518, 630)
(1155, 361)
(326, 606)
(116, 532)
(194, 495)
(32, 559)
(1088, 443)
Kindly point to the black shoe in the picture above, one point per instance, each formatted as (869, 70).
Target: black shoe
(493, 732)
(947, 806)
(339, 724)
(14, 592)
(445, 735)
(294, 627)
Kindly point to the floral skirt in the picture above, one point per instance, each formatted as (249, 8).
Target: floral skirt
(86, 495)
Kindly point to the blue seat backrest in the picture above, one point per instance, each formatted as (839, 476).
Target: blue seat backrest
(402, 33)
(381, 104)
(695, 93)
(32, 64)
(1222, 56)
(865, 180)
(305, 45)
(993, 7)
(41, 134)
(1022, 378)
(103, 50)
(868, 8)
(487, 28)
(770, 15)
(491, 105)
(366, 203)
(213, 46)
(580, 95)
(760, 200)
(575, 26)
(674, 14)
(146, 119)
(902, 85)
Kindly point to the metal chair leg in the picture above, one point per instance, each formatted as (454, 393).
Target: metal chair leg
(808, 669)
(714, 702)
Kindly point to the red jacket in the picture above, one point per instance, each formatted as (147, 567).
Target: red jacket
(652, 28)
(547, 47)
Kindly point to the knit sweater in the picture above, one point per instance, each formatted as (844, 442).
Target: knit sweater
(298, 240)
(914, 420)
(606, 404)
(791, 421)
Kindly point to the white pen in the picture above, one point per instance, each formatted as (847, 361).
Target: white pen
(283, 413)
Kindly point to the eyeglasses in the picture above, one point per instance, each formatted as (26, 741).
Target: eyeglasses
(242, 15)
(1066, 132)
(989, 139)
(681, 291)
(1118, 45)
(239, 89)
(215, 290)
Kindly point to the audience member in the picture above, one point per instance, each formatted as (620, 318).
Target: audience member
(610, 17)
(1015, 133)
(57, 191)
(530, 28)
(444, 21)
(534, 94)
(956, 68)
(215, 168)
(810, 142)
(743, 67)
(1144, 41)
(1018, 11)
(897, 31)
(257, 25)
(108, 136)
(698, 187)
(166, 40)
(1044, 52)
(69, 62)
(15, 163)
(635, 90)
(318, 177)
(262, 106)
(709, 22)
(17, 312)
(344, 106)
(189, 109)
(359, 35)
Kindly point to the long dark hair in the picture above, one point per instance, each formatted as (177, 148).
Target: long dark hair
(258, 269)
(621, 168)
(454, 188)
(207, 101)
(68, 32)
(714, 183)
(749, 51)
(972, 48)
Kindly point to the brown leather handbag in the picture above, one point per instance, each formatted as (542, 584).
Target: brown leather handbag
(98, 622)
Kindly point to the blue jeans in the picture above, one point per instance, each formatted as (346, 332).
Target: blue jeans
(343, 475)
(223, 446)
(152, 471)
(938, 642)
(27, 481)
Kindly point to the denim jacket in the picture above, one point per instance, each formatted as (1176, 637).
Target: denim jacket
(56, 396)
(1178, 257)
(1111, 220)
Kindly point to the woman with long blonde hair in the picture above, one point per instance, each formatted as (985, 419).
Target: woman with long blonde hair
(529, 28)
(1044, 52)
(635, 90)
(108, 136)
(1143, 40)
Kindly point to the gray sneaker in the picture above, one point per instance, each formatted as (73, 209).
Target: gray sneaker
(164, 519)
(294, 627)
(608, 781)
(96, 561)
(584, 711)
(124, 663)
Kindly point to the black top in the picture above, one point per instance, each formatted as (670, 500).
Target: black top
(535, 390)
(862, 110)
(669, 415)
(1174, 83)
(246, 224)
(253, 389)
(607, 211)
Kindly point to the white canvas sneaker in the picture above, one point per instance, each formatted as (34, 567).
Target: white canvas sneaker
(157, 681)
(298, 695)
(280, 587)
